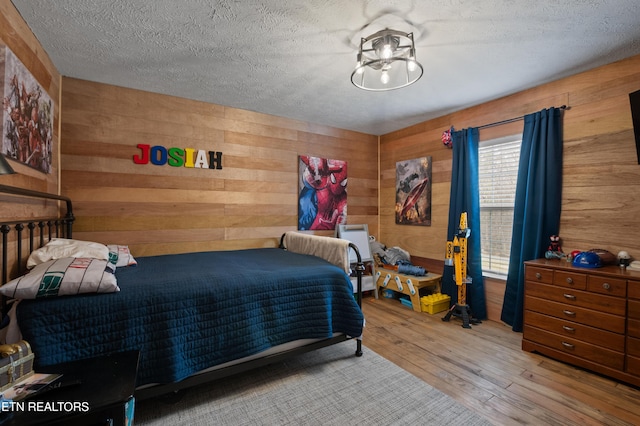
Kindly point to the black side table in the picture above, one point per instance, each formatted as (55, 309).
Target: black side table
(100, 393)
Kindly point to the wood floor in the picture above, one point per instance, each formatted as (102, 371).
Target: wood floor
(485, 369)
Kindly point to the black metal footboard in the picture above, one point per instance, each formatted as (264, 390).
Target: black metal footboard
(359, 269)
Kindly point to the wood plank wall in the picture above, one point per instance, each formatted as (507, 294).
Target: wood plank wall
(16, 36)
(601, 184)
(163, 209)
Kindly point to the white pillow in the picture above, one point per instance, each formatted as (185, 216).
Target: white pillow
(63, 277)
(59, 248)
(120, 256)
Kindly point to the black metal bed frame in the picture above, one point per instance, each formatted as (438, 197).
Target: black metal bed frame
(62, 227)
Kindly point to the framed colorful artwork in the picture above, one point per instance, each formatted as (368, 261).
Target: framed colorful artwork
(322, 195)
(27, 115)
(413, 192)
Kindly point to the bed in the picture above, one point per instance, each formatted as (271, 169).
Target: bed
(194, 317)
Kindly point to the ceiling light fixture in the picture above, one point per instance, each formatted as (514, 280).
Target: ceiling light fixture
(386, 61)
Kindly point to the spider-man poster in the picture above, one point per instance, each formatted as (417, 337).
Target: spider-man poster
(413, 192)
(322, 198)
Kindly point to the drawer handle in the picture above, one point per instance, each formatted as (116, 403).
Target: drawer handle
(568, 329)
(569, 296)
(569, 280)
(538, 275)
(569, 313)
(606, 286)
(568, 345)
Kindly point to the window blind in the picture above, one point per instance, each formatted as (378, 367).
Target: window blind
(498, 173)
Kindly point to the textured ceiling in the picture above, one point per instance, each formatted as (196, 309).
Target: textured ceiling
(293, 58)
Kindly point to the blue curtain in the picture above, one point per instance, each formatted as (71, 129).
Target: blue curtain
(465, 197)
(537, 205)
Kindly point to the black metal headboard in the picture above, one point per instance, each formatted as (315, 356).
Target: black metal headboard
(39, 231)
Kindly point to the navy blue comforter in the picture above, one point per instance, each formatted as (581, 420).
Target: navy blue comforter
(188, 312)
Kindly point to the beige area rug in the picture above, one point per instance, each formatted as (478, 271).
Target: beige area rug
(330, 386)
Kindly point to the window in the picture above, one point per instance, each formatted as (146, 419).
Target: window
(498, 173)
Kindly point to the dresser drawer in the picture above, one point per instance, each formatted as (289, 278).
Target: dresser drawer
(585, 333)
(610, 286)
(633, 289)
(633, 327)
(633, 365)
(633, 346)
(602, 320)
(540, 275)
(587, 351)
(570, 279)
(634, 309)
(572, 297)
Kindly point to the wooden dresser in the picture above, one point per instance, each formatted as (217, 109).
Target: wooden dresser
(586, 317)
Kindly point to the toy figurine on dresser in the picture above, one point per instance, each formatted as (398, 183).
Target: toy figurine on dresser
(554, 251)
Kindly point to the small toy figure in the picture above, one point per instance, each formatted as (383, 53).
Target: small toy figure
(446, 138)
(555, 244)
(624, 259)
(554, 251)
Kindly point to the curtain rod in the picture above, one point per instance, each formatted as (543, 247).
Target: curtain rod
(511, 120)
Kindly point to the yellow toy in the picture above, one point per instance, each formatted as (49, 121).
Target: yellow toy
(456, 256)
